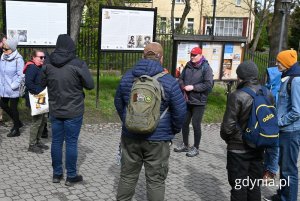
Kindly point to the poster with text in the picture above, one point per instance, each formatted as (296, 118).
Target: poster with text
(213, 53)
(36, 23)
(183, 55)
(232, 58)
(126, 29)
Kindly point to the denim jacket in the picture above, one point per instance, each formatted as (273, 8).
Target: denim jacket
(288, 106)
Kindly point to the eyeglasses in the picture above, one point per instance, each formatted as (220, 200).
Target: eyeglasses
(5, 49)
(41, 57)
(194, 55)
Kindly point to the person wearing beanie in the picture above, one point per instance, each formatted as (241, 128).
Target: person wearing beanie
(242, 160)
(288, 110)
(66, 109)
(11, 66)
(196, 81)
(150, 149)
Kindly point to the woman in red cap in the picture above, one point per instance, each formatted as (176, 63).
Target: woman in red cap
(196, 80)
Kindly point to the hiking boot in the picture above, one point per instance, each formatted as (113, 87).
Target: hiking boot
(269, 176)
(14, 133)
(73, 180)
(275, 197)
(181, 148)
(192, 152)
(35, 149)
(42, 145)
(57, 178)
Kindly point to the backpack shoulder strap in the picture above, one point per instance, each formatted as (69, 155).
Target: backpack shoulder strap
(249, 91)
(289, 84)
(158, 75)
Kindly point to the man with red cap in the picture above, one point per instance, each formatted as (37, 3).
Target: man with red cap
(196, 81)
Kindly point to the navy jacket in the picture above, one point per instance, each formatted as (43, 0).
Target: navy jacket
(172, 122)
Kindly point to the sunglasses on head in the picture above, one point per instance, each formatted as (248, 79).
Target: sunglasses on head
(41, 57)
(194, 55)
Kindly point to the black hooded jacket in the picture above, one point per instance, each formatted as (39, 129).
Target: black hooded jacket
(65, 77)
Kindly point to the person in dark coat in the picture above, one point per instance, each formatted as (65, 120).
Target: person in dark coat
(196, 81)
(151, 150)
(33, 72)
(243, 162)
(65, 77)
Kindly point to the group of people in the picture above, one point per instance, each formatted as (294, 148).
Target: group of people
(184, 101)
(65, 77)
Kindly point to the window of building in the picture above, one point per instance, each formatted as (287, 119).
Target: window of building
(226, 26)
(208, 26)
(179, 1)
(190, 25)
(238, 2)
(163, 25)
(176, 22)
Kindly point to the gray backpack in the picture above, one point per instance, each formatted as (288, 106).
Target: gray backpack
(143, 110)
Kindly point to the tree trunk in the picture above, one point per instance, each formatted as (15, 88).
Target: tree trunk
(274, 32)
(76, 8)
(257, 35)
(186, 11)
(172, 16)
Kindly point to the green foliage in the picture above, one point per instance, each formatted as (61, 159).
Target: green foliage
(294, 33)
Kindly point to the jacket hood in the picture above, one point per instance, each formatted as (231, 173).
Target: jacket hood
(146, 67)
(294, 70)
(64, 51)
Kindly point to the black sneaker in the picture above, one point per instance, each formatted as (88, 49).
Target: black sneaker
(192, 152)
(57, 178)
(35, 149)
(181, 148)
(73, 180)
(42, 146)
(14, 133)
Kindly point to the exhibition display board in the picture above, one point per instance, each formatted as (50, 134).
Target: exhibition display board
(126, 28)
(36, 23)
(224, 54)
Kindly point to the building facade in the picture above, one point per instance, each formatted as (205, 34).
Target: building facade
(232, 17)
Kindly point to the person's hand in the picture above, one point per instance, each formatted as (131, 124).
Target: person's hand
(189, 87)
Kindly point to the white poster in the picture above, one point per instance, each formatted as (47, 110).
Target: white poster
(126, 29)
(36, 23)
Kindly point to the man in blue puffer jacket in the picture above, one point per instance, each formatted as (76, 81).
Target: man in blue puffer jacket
(152, 150)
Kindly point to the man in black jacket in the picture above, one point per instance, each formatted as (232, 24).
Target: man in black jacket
(65, 77)
(243, 162)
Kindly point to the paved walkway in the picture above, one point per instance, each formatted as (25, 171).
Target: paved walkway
(27, 176)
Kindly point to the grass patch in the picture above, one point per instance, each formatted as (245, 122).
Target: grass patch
(106, 111)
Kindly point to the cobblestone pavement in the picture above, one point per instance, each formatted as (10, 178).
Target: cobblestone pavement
(28, 176)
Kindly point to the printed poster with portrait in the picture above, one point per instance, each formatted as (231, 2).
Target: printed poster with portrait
(183, 55)
(126, 28)
(38, 28)
(232, 58)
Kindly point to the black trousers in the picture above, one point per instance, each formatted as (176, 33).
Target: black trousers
(244, 170)
(10, 106)
(194, 113)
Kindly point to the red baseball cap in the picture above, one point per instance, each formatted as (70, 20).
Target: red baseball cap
(196, 50)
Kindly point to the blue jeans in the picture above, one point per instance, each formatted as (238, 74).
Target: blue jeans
(65, 130)
(271, 159)
(289, 150)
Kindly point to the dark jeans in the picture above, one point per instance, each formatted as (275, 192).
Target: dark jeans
(194, 113)
(65, 130)
(154, 155)
(10, 106)
(243, 169)
(289, 143)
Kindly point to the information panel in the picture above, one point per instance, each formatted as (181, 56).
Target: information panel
(126, 28)
(36, 23)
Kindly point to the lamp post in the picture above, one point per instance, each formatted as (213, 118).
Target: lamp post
(285, 9)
